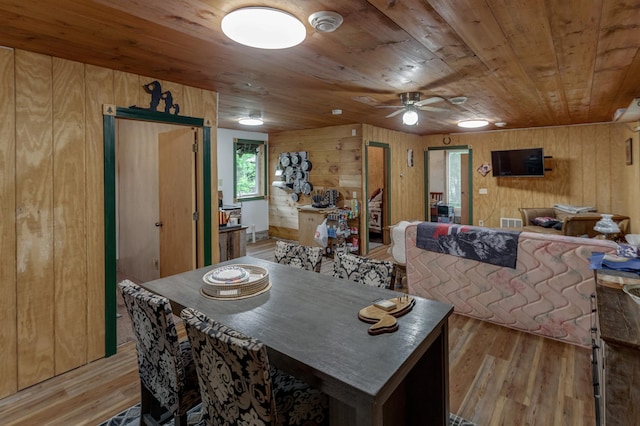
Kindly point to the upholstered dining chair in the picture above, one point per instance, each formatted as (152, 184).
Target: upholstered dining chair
(298, 256)
(373, 272)
(237, 384)
(168, 377)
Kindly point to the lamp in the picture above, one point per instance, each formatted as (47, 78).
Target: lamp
(410, 117)
(472, 124)
(263, 28)
(252, 120)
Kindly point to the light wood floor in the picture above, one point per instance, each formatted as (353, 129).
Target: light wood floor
(498, 376)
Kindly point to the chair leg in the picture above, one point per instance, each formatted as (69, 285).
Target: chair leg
(180, 420)
(150, 408)
(145, 403)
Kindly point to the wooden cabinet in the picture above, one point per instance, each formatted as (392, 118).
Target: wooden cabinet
(233, 242)
(308, 220)
(616, 354)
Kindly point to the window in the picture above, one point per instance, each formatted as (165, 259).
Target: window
(454, 178)
(249, 170)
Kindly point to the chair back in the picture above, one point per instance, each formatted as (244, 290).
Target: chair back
(233, 372)
(298, 256)
(160, 362)
(376, 273)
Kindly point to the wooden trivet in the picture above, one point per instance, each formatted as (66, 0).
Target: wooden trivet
(385, 321)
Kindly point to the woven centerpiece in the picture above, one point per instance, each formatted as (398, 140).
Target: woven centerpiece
(235, 282)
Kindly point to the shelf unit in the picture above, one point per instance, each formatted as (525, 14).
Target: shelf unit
(338, 221)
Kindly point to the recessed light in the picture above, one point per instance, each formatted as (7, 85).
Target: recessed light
(251, 121)
(336, 111)
(458, 100)
(472, 124)
(500, 124)
(263, 28)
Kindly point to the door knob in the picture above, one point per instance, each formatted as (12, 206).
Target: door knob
(159, 224)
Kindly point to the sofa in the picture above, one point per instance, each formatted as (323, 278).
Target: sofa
(570, 224)
(548, 293)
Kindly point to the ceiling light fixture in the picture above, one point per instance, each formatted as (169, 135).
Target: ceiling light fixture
(263, 28)
(472, 124)
(252, 120)
(325, 21)
(410, 117)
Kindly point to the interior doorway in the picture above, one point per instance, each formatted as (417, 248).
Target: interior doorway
(205, 238)
(378, 197)
(449, 186)
(156, 201)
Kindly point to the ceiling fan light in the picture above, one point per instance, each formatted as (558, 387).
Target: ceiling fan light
(263, 28)
(472, 124)
(410, 117)
(251, 121)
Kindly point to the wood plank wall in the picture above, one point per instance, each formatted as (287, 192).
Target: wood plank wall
(338, 162)
(336, 158)
(588, 169)
(52, 210)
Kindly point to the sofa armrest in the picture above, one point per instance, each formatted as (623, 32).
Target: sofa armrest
(529, 213)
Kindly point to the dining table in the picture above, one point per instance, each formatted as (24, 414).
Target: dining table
(310, 325)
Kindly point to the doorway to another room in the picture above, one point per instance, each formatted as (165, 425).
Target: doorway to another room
(141, 182)
(449, 184)
(378, 196)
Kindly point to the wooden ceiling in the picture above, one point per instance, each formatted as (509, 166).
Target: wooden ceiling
(527, 63)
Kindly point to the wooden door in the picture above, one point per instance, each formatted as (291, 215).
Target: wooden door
(464, 189)
(177, 201)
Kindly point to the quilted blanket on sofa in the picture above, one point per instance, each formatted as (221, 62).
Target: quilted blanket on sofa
(548, 293)
(495, 246)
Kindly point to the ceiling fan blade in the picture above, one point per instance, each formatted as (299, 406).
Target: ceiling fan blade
(389, 106)
(431, 100)
(393, 114)
(430, 108)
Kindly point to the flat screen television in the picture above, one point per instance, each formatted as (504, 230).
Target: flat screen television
(518, 163)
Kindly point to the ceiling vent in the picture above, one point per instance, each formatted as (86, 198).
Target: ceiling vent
(325, 22)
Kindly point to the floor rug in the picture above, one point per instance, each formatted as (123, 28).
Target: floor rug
(130, 417)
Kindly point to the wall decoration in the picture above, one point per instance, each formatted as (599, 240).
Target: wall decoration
(409, 157)
(293, 170)
(627, 149)
(484, 169)
(155, 90)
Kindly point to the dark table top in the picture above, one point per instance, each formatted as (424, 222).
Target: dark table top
(309, 321)
(618, 314)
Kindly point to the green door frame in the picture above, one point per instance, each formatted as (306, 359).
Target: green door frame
(426, 177)
(387, 184)
(110, 113)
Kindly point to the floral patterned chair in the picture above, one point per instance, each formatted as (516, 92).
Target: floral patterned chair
(298, 256)
(168, 377)
(239, 387)
(376, 273)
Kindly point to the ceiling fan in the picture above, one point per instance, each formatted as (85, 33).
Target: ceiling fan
(411, 103)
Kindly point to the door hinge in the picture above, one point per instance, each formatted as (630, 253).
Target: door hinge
(194, 147)
(196, 216)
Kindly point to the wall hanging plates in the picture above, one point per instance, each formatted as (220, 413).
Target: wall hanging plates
(307, 187)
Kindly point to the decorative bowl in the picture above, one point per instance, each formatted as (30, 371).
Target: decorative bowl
(633, 290)
(633, 239)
